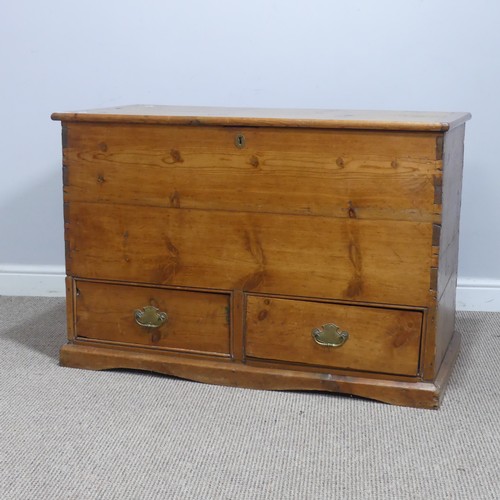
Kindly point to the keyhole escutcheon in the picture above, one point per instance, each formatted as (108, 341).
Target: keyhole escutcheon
(239, 141)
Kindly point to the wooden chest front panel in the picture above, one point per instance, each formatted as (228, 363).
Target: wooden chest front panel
(370, 174)
(380, 340)
(197, 321)
(375, 261)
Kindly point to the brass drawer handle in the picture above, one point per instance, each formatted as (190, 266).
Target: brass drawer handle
(150, 317)
(330, 335)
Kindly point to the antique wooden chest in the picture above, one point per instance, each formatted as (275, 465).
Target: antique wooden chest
(270, 249)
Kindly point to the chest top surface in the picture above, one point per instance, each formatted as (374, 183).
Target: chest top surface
(307, 118)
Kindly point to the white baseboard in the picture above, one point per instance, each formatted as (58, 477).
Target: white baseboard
(48, 281)
(478, 295)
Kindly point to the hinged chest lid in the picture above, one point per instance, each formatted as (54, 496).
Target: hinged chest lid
(261, 117)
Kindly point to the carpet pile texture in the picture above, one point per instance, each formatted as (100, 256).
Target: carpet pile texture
(78, 434)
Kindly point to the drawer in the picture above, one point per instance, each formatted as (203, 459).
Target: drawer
(349, 259)
(194, 322)
(379, 339)
(341, 173)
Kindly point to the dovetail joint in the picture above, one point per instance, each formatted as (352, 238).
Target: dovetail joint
(66, 212)
(65, 175)
(436, 234)
(438, 190)
(64, 136)
(434, 279)
(439, 147)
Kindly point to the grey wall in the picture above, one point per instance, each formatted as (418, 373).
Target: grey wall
(62, 55)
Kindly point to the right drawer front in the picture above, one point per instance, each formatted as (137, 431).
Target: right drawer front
(379, 340)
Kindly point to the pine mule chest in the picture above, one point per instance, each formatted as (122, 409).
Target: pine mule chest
(269, 249)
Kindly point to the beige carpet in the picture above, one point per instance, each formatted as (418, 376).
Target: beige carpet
(74, 434)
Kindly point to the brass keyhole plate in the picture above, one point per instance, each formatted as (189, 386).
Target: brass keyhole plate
(239, 141)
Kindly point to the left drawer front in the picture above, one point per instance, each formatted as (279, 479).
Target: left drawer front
(195, 321)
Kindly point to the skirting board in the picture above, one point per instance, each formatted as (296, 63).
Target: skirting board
(478, 295)
(48, 281)
(31, 281)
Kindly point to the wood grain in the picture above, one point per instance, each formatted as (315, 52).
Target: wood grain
(237, 324)
(319, 172)
(310, 217)
(347, 259)
(441, 320)
(380, 340)
(452, 194)
(70, 308)
(197, 321)
(282, 377)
